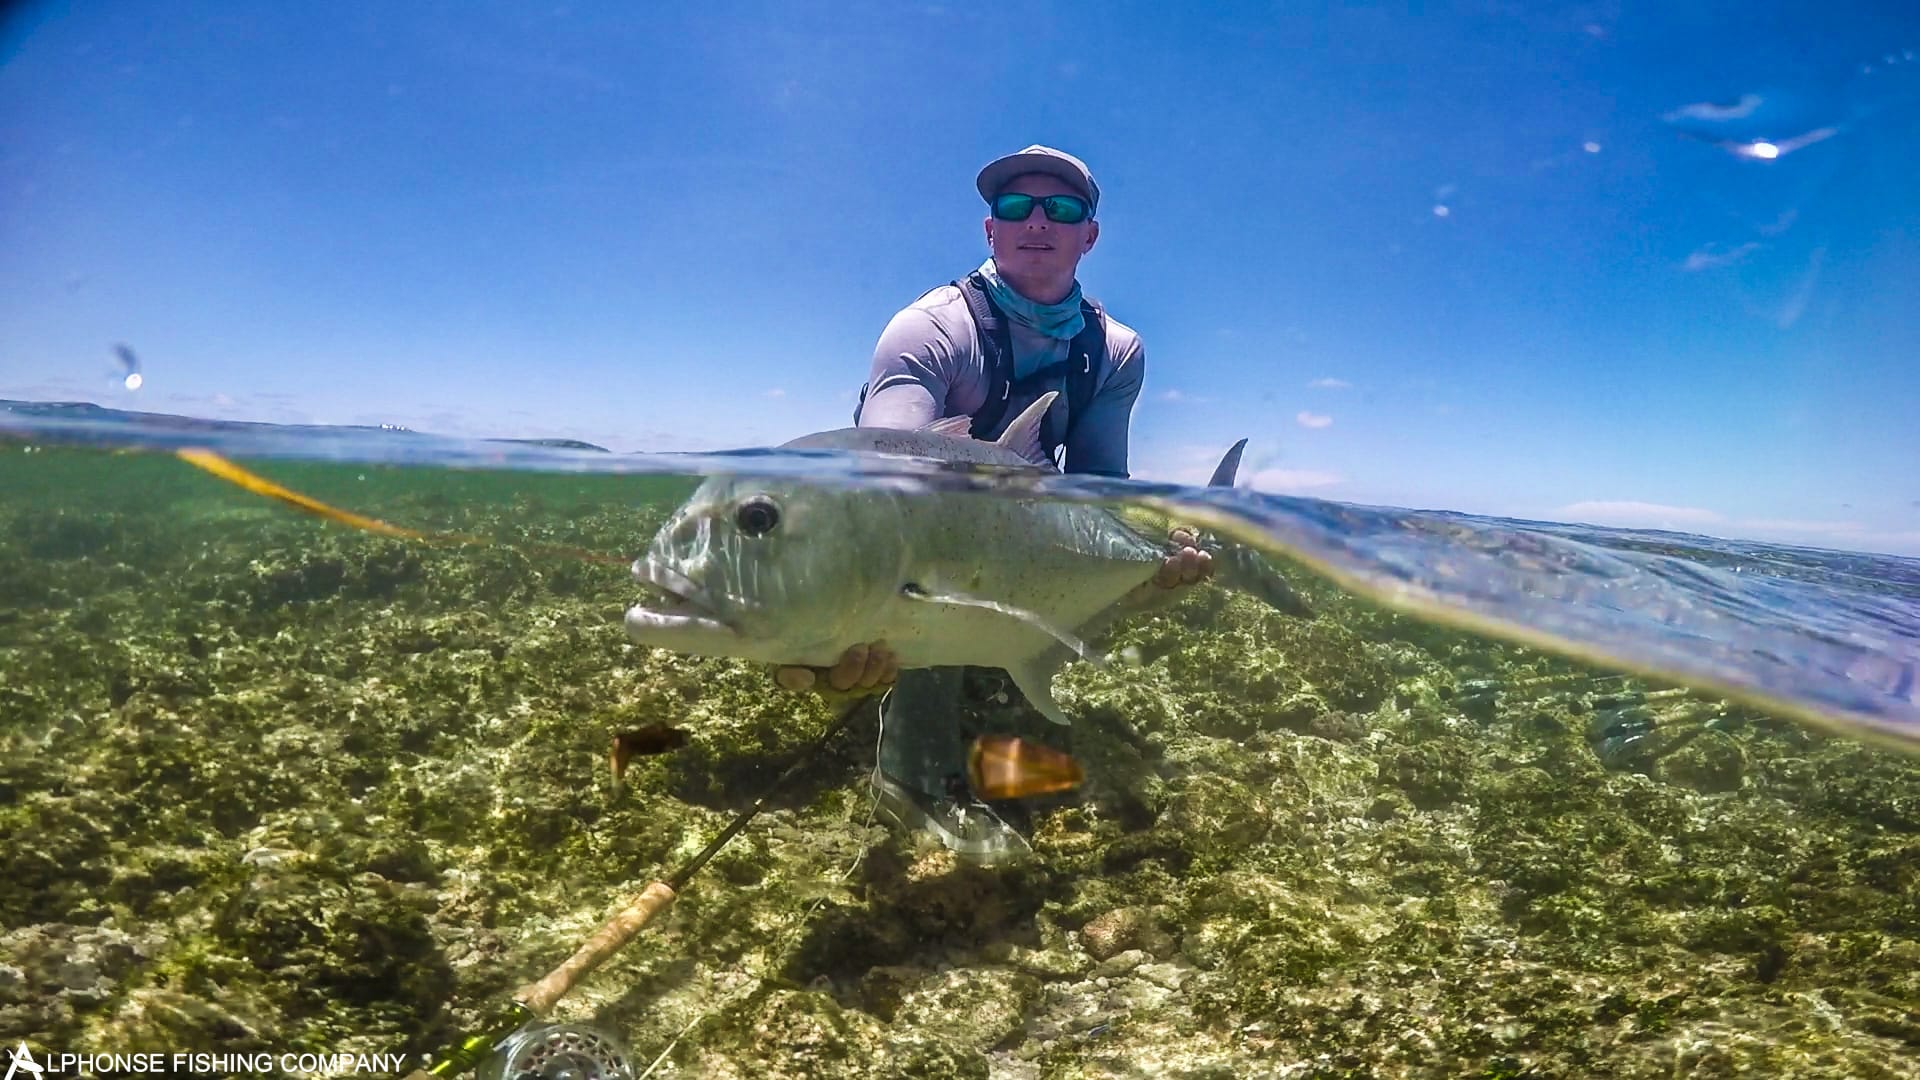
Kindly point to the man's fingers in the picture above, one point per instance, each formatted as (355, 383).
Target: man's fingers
(1184, 567)
(880, 668)
(1173, 571)
(1187, 563)
(845, 675)
(1189, 566)
(861, 667)
(794, 678)
(864, 667)
(887, 669)
(1169, 573)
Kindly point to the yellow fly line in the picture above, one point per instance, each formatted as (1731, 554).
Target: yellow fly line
(260, 485)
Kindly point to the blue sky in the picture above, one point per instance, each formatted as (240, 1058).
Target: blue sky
(1479, 259)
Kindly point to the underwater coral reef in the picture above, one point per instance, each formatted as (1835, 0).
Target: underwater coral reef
(267, 783)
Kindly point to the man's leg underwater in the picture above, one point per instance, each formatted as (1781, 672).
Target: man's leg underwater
(923, 761)
(920, 743)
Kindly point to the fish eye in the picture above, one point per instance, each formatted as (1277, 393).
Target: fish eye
(757, 516)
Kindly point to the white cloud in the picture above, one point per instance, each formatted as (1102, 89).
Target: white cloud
(1713, 256)
(1313, 420)
(223, 406)
(1193, 466)
(52, 390)
(1832, 528)
(1175, 396)
(1713, 111)
(1291, 481)
(1629, 514)
(1845, 535)
(1190, 475)
(1853, 532)
(1796, 303)
(776, 392)
(1330, 384)
(1181, 396)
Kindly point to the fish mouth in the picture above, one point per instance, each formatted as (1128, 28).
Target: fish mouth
(678, 606)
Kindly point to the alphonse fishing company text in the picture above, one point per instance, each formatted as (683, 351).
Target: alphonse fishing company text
(24, 1064)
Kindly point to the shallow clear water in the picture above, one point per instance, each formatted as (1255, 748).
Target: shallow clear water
(1832, 637)
(1519, 796)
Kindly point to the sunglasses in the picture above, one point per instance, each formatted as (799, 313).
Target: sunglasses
(1060, 209)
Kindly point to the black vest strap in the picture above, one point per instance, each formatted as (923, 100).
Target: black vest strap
(1078, 370)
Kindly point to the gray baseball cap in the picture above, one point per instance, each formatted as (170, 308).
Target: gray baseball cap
(1039, 159)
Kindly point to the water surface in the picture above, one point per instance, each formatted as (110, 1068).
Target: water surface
(1521, 799)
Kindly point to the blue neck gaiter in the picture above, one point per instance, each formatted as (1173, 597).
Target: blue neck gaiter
(1060, 321)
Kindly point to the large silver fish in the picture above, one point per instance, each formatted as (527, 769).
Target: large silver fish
(794, 573)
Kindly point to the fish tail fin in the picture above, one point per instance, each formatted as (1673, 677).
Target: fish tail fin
(1243, 569)
(1229, 467)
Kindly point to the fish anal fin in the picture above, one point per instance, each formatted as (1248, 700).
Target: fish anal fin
(1034, 677)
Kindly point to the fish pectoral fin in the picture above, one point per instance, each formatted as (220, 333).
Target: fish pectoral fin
(914, 591)
(1035, 680)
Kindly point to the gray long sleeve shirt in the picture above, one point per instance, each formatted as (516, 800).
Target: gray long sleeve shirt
(929, 365)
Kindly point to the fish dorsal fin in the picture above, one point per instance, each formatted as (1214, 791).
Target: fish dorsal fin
(958, 427)
(1224, 473)
(1023, 435)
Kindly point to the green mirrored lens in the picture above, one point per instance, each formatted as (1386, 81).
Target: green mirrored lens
(1064, 209)
(1012, 206)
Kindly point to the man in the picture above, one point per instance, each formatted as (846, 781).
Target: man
(987, 346)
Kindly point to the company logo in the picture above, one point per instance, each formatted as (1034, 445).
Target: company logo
(23, 1064)
(25, 1067)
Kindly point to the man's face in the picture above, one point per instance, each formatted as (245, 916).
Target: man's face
(1036, 247)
